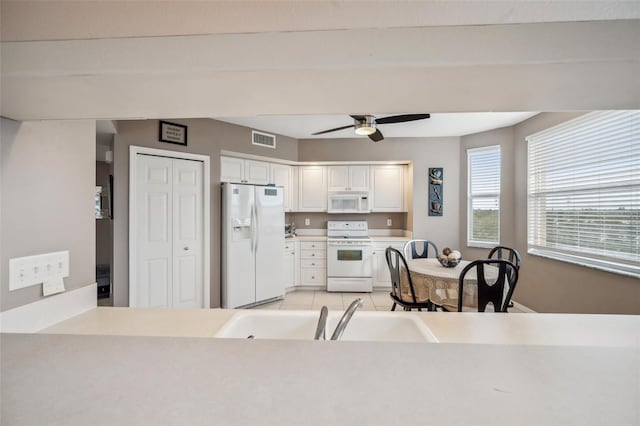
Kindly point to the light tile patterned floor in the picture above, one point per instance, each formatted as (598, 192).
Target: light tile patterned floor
(315, 299)
(310, 299)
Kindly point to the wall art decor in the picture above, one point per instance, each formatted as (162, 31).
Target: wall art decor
(173, 133)
(435, 191)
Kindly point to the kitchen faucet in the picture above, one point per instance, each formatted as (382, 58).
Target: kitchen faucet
(322, 324)
(342, 324)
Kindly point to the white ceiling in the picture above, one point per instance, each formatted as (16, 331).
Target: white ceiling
(439, 125)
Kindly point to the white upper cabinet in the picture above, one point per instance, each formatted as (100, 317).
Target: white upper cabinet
(348, 178)
(388, 188)
(238, 170)
(285, 176)
(312, 190)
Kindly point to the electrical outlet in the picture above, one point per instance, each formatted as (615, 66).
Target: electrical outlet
(389, 222)
(307, 221)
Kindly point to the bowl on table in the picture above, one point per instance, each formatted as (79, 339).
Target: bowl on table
(448, 263)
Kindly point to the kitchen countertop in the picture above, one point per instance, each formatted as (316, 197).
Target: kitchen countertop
(448, 327)
(102, 367)
(105, 380)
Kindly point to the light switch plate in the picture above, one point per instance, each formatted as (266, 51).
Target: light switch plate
(33, 270)
(389, 222)
(307, 221)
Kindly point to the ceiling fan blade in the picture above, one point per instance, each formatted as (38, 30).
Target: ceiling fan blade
(401, 118)
(332, 130)
(376, 136)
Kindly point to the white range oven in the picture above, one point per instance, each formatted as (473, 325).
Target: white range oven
(349, 256)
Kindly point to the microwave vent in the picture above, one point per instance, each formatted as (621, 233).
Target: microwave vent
(263, 139)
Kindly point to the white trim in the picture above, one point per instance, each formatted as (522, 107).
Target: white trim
(48, 311)
(206, 252)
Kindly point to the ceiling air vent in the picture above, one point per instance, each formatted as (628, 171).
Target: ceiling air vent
(263, 139)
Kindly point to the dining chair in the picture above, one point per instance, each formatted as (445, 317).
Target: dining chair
(496, 290)
(403, 295)
(507, 253)
(419, 249)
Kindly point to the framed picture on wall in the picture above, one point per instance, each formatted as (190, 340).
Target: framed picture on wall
(435, 191)
(173, 133)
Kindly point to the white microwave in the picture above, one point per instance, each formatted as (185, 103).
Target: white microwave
(348, 202)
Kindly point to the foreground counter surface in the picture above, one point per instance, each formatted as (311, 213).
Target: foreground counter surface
(108, 370)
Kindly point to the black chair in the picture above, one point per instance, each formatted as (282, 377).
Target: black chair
(397, 266)
(506, 253)
(496, 291)
(419, 249)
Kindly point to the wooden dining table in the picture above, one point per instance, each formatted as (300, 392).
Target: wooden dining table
(432, 281)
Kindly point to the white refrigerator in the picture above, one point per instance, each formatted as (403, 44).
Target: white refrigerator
(252, 244)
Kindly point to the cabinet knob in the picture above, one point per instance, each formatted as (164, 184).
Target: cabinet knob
(313, 264)
(313, 255)
(186, 248)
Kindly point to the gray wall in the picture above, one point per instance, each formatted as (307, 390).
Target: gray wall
(425, 153)
(205, 137)
(545, 285)
(47, 187)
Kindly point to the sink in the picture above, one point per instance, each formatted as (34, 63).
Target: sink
(301, 325)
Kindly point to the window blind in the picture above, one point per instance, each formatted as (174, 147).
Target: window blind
(483, 198)
(584, 191)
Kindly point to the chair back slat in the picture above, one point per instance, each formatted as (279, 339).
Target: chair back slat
(420, 249)
(507, 253)
(397, 267)
(499, 292)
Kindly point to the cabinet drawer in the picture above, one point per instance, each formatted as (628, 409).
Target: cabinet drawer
(313, 245)
(313, 263)
(314, 276)
(313, 254)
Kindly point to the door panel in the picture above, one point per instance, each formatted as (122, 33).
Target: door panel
(153, 231)
(157, 275)
(187, 234)
(269, 243)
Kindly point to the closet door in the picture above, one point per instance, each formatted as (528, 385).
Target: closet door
(169, 233)
(154, 231)
(187, 234)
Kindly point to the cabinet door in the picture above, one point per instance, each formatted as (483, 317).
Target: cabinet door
(359, 178)
(256, 172)
(312, 193)
(231, 169)
(388, 188)
(338, 178)
(381, 276)
(282, 175)
(289, 269)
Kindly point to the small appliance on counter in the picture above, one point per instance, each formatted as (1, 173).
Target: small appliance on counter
(289, 230)
(349, 256)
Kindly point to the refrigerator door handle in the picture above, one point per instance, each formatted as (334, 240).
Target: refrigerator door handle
(253, 227)
(257, 226)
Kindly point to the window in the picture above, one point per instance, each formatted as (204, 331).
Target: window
(584, 191)
(483, 196)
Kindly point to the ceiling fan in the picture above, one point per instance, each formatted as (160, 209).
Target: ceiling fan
(366, 125)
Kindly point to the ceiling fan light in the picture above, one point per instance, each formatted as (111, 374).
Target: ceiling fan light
(365, 129)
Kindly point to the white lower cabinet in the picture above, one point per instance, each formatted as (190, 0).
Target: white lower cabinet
(381, 276)
(313, 263)
(289, 264)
